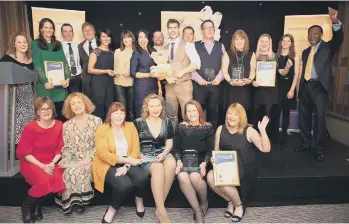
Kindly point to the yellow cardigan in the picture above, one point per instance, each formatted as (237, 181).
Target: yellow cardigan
(106, 156)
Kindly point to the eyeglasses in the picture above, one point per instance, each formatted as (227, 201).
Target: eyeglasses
(45, 110)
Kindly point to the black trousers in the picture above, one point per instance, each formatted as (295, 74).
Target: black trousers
(135, 179)
(261, 110)
(124, 95)
(75, 84)
(58, 108)
(313, 99)
(102, 94)
(208, 97)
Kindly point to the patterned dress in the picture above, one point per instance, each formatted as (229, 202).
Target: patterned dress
(79, 144)
(24, 101)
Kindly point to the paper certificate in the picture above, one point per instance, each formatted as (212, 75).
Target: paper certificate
(266, 73)
(225, 167)
(54, 71)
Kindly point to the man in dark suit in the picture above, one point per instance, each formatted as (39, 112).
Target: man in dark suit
(316, 84)
(85, 48)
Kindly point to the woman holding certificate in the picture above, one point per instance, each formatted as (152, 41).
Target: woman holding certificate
(288, 73)
(237, 135)
(265, 91)
(156, 138)
(78, 151)
(116, 161)
(51, 65)
(101, 65)
(238, 67)
(38, 151)
(194, 134)
(123, 81)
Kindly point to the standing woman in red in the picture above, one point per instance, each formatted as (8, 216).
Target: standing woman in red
(38, 150)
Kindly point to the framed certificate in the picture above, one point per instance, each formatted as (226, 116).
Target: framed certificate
(54, 71)
(266, 73)
(225, 168)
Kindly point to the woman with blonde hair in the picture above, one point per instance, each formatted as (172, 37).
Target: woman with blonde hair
(156, 138)
(265, 98)
(194, 134)
(237, 135)
(78, 151)
(116, 162)
(238, 67)
(19, 52)
(288, 79)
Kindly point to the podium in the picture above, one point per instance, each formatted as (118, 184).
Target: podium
(10, 74)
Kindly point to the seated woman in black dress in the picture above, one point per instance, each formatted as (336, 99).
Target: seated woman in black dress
(18, 52)
(194, 133)
(237, 135)
(287, 75)
(101, 65)
(156, 139)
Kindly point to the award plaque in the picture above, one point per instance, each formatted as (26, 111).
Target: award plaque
(54, 71)
(266, 73)
(147, 149)
(209, 74)
(237, 72)
(225, 168)
(190, 161)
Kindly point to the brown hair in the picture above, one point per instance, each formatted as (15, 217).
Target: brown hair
(292, 51)
(115, 106)
(39, 102)
(243, 35)
(127, 33)
(240, 111)
(85, 24)
(145, 112)
(67, 111)
(200, 111)
(11, 50)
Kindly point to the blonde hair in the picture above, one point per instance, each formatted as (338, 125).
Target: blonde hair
(67, 111)
(145, 112)
(270, 55)
(240, 111)
(11, 50)
(39, 102)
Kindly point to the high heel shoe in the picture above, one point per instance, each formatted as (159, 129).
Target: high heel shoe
(140, 214)
(228, 214)
(238, 218)
(27, 215)
(37, 212)
(103, 220)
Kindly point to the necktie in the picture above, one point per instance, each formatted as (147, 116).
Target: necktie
(172, 51)
(90, 49)
(72, 60)
(307, 73)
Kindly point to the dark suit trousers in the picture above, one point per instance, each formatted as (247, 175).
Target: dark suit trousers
(313, 98)
(75, 84)
(208, 97)
(135, 179)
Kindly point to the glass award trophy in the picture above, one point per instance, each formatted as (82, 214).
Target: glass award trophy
(190, 160)
(237, 72)
(209, 74)
(147, 149)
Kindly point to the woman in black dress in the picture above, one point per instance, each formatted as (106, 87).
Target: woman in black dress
(18, 52)
(100, 65)
(265, 99)
(145, 82)
(156, 138)
(194, 133)
(287, 74)
(237, 135)
(238, 67)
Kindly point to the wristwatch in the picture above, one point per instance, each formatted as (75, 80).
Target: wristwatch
(128, 166)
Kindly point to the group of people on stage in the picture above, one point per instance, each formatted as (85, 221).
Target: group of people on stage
(115, 116)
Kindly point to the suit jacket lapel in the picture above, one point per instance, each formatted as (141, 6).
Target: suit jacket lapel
(322, 43)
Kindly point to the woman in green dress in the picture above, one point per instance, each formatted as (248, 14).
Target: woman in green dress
(47, 48)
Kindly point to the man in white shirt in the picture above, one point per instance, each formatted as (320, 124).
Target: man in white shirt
(85, 48)
(184, 59)
(188, 34)
(71, 53)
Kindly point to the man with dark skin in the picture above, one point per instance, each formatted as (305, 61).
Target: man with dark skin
(316, 83)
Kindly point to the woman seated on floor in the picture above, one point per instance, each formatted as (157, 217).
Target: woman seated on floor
(38, 150)
(116, 162)
(194, 134)
(78, 151)
(156, 137)
(237, 135)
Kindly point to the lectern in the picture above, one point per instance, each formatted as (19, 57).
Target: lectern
(10, 74)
